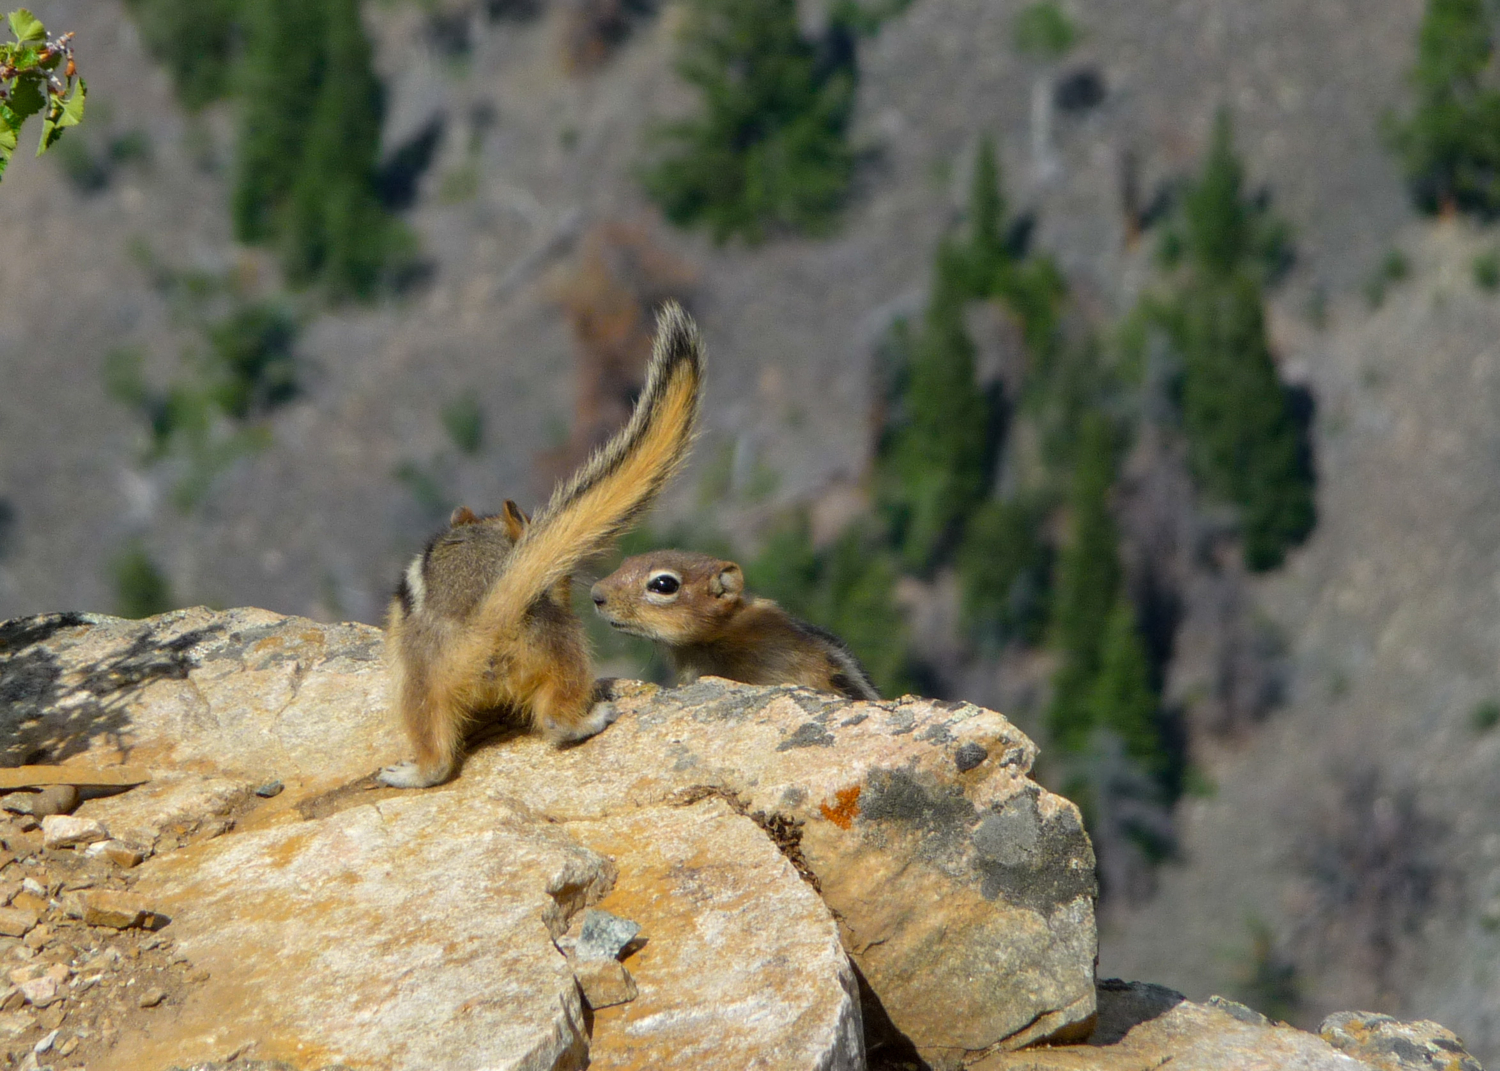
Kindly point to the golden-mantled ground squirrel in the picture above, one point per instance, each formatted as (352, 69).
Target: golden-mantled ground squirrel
(697, 608)
(481, 620)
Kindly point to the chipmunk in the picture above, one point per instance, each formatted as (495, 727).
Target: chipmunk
(696, 607)
(481, 618)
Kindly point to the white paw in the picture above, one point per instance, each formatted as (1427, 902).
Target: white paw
(602, 715)
(404, 775)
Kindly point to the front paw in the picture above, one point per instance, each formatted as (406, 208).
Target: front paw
(405, 775)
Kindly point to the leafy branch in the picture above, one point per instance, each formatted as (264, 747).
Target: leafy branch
(30, 84)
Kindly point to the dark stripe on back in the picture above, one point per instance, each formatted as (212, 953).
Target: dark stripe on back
(403, 592)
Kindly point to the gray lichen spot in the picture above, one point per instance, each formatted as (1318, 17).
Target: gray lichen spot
(808, 734)
(712, 701)
(847, 722)
(969, 756)
(901, 722)
(1009, 836)
(1037, 863)
(794, 796)
(936, 733)
(940, 811)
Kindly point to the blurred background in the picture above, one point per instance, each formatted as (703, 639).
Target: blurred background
(1129, 367)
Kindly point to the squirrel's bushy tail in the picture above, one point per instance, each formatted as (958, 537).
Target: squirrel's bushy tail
(616, 484)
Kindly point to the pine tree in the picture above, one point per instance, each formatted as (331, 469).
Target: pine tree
(938, 472)
(1088, 577)
(1245, 443)
(335, 228)
(769, 149)
(1450, 145)
(1003, 569)
(309, 142)
(1123, 700)
(282, 74)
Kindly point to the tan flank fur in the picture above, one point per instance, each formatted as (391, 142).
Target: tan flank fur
(697, 608)
(481, 620)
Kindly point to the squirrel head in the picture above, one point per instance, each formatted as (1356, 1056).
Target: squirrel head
(674, 596)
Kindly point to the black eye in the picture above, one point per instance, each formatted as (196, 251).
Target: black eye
(665, 584)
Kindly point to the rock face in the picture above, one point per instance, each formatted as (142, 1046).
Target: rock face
(799, 865)
(1143, 1027)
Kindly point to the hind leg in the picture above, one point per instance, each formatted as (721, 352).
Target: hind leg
(562, 683)
(435, 722)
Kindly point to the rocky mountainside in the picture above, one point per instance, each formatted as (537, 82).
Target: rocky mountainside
(1342, 857)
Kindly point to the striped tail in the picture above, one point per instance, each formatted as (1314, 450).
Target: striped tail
(617, 483)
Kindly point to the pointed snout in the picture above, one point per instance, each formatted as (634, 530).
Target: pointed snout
(597, 594)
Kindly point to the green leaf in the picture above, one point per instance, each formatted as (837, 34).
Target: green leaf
(7, 145)
(28, 97)
(72, 105)
(26, 26)
(68, 113)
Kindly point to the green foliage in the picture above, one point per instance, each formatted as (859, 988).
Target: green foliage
(37, 77)
(1487, 271)
(196, 41)
(769, 148)
(847, 587)
(243, 367)
(1244, 439)
(937, 469)
(1393, 269)
(1088, 579)
(1004, 568)
(1449, 145)
(1123, 699)
(1043, 29)
(1485, 716)
(463, 419)
(1222, 230)
(1244, 443)
(309, 140)
(140, 588)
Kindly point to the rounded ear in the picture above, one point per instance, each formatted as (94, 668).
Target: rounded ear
(462, 515)
(727, 582)
(514, 520)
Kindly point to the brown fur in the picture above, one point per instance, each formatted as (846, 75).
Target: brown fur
(481, 620)
(711, 625)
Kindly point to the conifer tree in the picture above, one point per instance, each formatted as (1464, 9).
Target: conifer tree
(335, 227)
(309, 142)
(1088, 578)
(1123, 700)
(1003, 569)
(1245, 444)
(1450, 144)
(769, 149)
(939, 471)
(282, 74)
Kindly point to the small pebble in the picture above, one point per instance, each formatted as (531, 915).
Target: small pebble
(65, 831)
(269, 789)
(45, 1044)
(152, 997)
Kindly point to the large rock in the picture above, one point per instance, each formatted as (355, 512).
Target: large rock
(1143, 1027)
(402, 934)
(742, 966)
(962, 891)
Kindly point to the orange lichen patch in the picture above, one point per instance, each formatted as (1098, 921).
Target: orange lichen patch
(845, 808)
